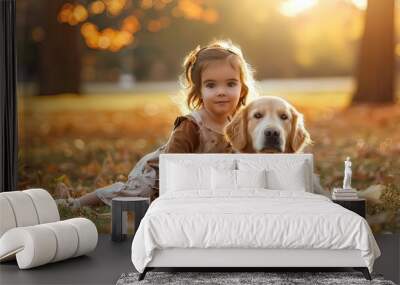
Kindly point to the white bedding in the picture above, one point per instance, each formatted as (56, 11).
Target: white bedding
(251, 218)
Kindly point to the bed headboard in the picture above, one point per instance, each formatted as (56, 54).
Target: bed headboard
(267, 160)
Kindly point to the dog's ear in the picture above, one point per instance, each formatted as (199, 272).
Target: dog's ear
(299, 137)
(236, 130)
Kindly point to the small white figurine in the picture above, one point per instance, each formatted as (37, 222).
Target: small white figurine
(347, 174)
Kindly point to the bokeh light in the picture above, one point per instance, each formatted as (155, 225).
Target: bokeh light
(114, 39)
(97, 7)
(72, 14)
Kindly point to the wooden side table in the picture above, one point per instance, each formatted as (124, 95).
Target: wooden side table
(357, 206)
(121, 205)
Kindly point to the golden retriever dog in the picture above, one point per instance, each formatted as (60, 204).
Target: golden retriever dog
(268, 124)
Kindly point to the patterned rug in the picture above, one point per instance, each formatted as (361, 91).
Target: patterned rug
(229, 278)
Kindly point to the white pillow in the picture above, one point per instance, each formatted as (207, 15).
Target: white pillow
(227, 179)
(183, 177)
(293, 180)
(251, 178)
(282, 173)
(223, 179)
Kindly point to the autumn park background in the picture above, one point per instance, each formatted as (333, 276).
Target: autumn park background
(98, 85)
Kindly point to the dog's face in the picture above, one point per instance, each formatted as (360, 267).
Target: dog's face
(268, 124)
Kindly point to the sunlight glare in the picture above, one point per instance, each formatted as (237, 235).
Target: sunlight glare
(360, 4)
(292, 8)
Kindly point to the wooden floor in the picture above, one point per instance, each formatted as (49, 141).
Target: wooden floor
(102, 266)
(111, 259)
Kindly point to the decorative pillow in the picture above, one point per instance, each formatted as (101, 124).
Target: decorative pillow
(182, 177)
(251, 178)
(293, 180)
(223, 179)
(227, 179)
(282, 174)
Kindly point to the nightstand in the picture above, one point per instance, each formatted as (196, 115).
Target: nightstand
(357, 206)
(120, 205)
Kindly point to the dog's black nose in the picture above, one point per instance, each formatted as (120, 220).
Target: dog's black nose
(271, 133)
(272, 140)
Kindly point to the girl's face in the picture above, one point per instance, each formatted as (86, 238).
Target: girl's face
(220, 88)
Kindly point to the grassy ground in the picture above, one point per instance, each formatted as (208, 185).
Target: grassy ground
(91, 141)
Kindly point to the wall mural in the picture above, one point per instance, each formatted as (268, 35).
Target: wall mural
(98, 89)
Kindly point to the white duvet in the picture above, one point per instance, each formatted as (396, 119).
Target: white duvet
(253, 218)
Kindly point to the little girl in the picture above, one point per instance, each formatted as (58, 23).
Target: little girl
(217, 81)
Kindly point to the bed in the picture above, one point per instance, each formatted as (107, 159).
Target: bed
(245, 211)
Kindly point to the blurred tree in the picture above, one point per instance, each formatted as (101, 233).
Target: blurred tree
(103, 25)
(60, 54)
(376, 69)
(149, 38)
(325, 45)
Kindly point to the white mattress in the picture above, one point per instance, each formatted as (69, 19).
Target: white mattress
(252, 219)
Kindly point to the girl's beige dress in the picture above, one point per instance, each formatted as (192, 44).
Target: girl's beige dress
(190, 135)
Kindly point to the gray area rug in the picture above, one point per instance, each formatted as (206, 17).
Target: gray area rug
(225, 278)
